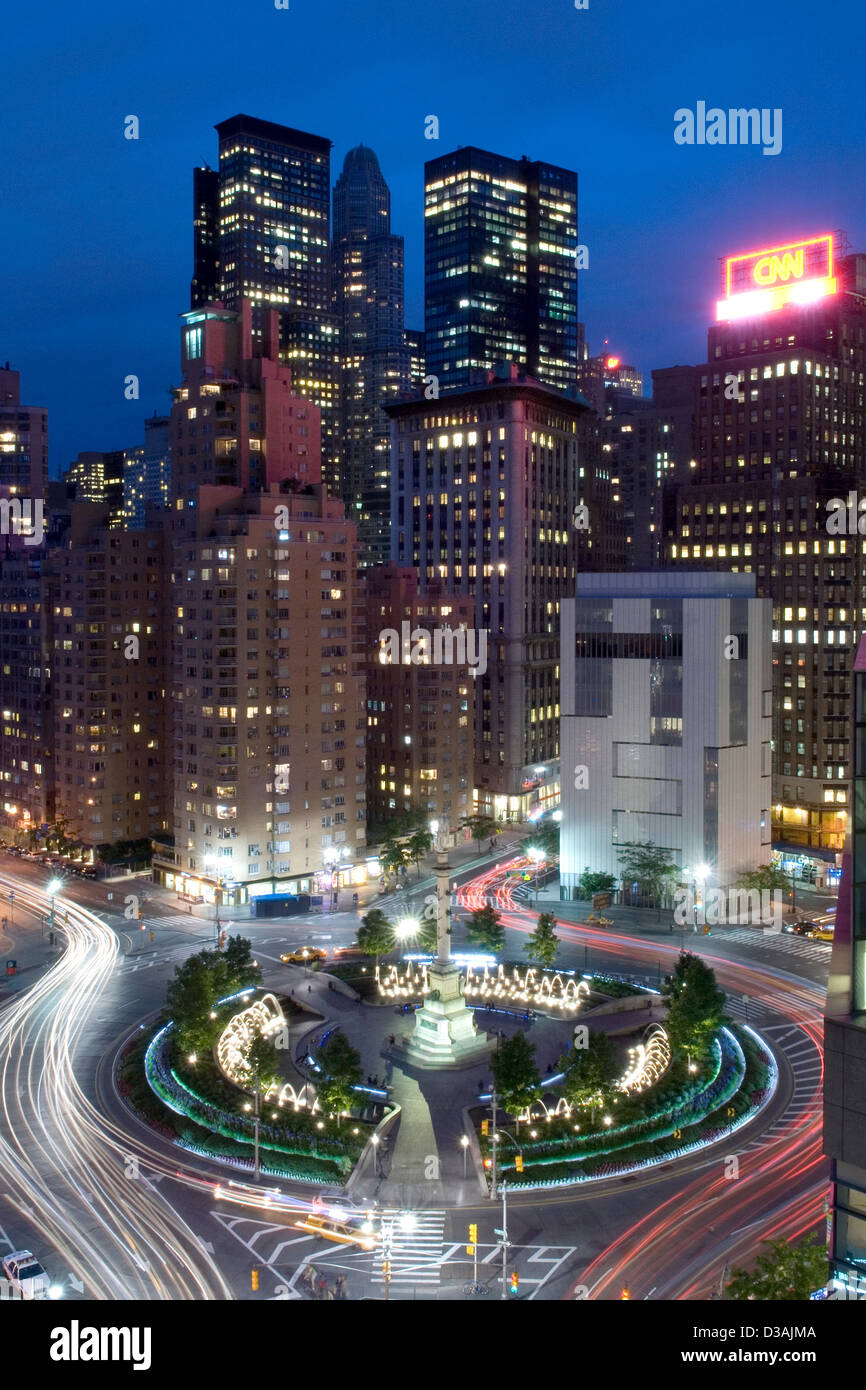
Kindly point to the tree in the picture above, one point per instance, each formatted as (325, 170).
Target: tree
(480, 827)
(766, 879)
(420, 842)
(393, 856)
(341, 1070)
(264, 1062)
(238, 966)
(191, 998)
(590, 1071)
(484, 928)
(695, 1004)
(428, 926)
(651, 867)
(545, 838)
(543, 944)
(376, 935)
(516, 1074)
(590, 883)
(783, 1274)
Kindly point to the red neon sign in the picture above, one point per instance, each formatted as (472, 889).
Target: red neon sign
(798, 272)
(612, 363)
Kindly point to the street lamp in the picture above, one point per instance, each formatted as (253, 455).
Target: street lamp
(408, 927)
(52, 890)
(464, 1144)
(214, 861)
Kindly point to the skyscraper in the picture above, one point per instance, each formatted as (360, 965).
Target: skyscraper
(265, 220)
(779, 432)
(267, 709)
(485, 484)
(500, 255)
(374, 355)
(23, 441)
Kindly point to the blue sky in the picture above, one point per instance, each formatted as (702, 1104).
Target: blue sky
(95, 232)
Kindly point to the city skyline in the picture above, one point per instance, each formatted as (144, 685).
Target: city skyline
(653, 215)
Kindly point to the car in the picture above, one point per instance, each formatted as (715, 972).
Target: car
(302, 955)
(353, 949)
(821, 931)
(25, 1273)
(799, 928)
(359, 1232)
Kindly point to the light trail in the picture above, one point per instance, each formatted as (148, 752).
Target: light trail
(65, 1165)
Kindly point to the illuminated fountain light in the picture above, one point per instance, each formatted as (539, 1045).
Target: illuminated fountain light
(647, 1062)
(411, 983)
(264, 1018)
(526, 989)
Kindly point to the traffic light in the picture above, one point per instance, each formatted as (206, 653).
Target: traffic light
(518, 1163)
(485, 1128)
(254, 1279)
(707, 931)
(515, 1282)
(473, 1233)
(140, 920)
(625, 1295)
(386, 1270)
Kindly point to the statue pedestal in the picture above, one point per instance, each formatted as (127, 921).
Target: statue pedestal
(445, 1033)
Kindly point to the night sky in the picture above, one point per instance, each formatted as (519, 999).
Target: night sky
(96, 237)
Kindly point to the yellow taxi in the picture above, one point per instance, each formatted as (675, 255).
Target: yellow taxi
(341, 1232)
(302, 955)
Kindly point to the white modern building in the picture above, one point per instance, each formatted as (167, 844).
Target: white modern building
(666, 722)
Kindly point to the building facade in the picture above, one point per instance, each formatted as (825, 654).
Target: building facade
(262, 229)
(779, 433)
(845, 1031)
(23, 441)
(109, 677)
(500, 268)
(375, 362)
(665, 723)
(485, 485)
(268, 715)
(420, 699)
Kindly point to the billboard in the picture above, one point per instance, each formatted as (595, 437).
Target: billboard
(797, 272)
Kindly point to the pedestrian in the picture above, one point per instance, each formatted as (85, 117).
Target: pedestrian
(330, 1295)
(340, 1286)
(309, 1277)
(390, 1040)
(309, 989)
(322, 1286)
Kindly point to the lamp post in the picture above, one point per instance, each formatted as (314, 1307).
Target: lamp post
(464, 1144)
(257, 1122)
(537, 857)
(214, 862)
(52, 890)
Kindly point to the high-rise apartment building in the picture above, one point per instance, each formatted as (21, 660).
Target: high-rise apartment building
(268, 716)
(109, 677)
(779, 432)
(147, 475)
(236, 420)
(23, 441)
(500, 256)
(845, 1031)
(101, 476)
(666, 723)
(262, 233)
(27, 587)
(375, 364)
(485, 487)
(268, 710)
(420, 698)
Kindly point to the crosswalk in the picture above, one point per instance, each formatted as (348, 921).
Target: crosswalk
(414, 1246)
(785, 942)
(129, 965)
(807, 1066)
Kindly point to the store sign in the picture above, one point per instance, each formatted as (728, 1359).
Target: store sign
(756, 282)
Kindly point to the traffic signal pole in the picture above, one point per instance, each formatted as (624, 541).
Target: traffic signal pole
(504, 1238)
